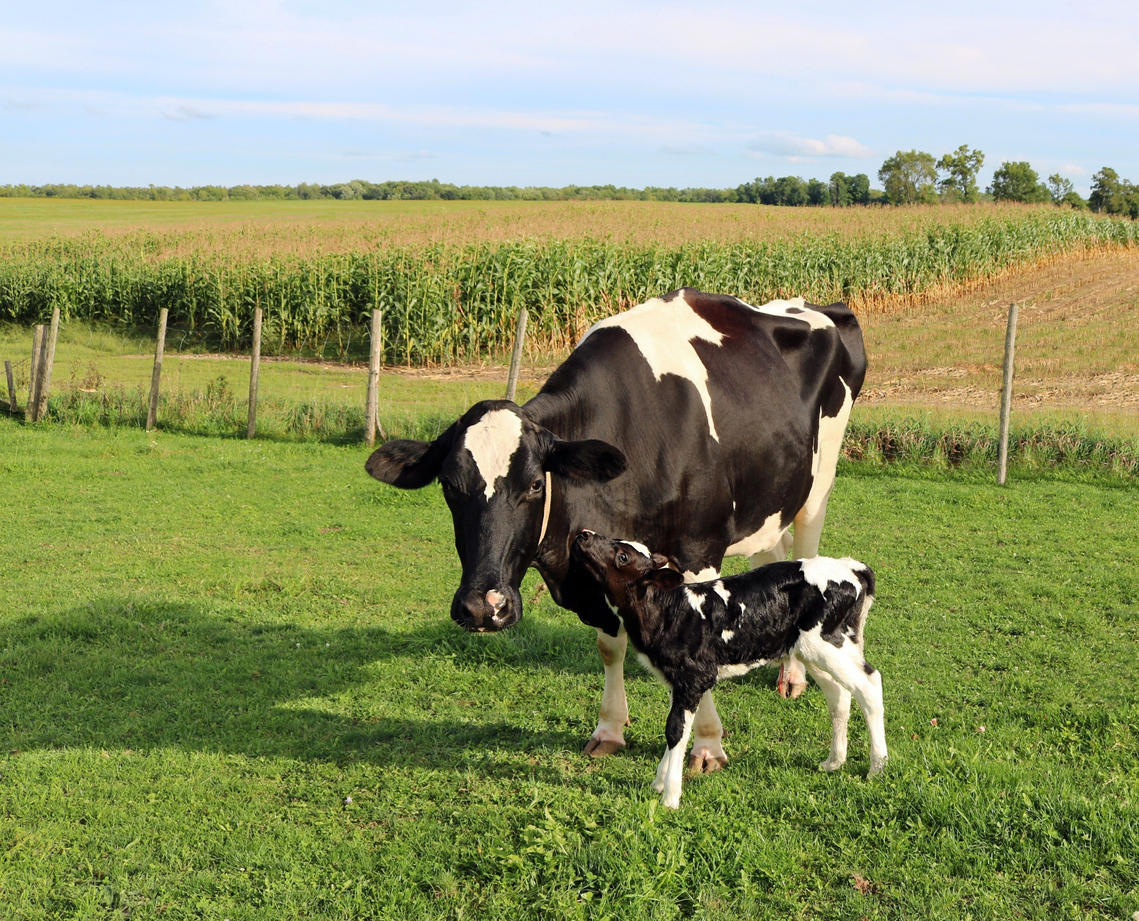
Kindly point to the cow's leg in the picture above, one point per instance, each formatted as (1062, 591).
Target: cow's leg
(707, 738)
(792, 680)
(609, 736)
(670, 773)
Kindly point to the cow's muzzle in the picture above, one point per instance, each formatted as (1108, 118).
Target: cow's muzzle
(486, 611)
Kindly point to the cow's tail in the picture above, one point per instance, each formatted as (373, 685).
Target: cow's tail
(865, 576)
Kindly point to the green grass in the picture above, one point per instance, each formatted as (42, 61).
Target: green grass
(229, 689)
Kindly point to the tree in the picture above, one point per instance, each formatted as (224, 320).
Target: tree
(859, 189)
(817, 192)
(838, 191)
(909, 177)
(1108, 192)
(1062, 192)
(960, 169)
(1017, 181)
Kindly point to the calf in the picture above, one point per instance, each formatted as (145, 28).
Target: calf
(692, 635)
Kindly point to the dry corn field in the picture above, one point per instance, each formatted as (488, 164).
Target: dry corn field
(451, 279)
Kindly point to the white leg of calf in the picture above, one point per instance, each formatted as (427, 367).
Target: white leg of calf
(707, 738)
(875, 713)
(609, 736)
(838, 702)
(674, 771)
(847, 667)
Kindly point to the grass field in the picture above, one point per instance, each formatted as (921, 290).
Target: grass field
(229, 689)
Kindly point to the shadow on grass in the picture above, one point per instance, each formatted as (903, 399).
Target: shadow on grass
(122, 675)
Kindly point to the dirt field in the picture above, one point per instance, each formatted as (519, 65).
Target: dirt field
(1077, 344)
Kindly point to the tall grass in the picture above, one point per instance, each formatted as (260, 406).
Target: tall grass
(457, 302)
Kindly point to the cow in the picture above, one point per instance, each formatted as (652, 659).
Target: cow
(693, 635)
(695, 423)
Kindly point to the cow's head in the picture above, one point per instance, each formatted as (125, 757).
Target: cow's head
(494, 465)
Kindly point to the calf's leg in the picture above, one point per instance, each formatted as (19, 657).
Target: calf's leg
(847, 667)
(609, 736)
(838, 702)
(678, 728)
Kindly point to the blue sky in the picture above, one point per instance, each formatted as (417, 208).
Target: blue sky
(551, 93)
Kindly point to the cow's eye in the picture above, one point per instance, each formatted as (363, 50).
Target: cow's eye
(622, 558)
(537, 486)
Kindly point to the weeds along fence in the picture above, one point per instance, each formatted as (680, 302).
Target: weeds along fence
(446, 303)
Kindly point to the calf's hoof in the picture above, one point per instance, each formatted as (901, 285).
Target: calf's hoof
(877, 765)
(831, 764)
(705, 761)
(600, 746)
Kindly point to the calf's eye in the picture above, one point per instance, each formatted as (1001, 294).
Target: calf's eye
(622, 558)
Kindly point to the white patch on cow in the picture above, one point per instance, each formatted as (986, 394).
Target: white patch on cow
(760, 541)
(794, 309)
(724, 594)
(492, 442)
(697, 601)
(664, 333)
(737, 669)
(704, 575)
(822, 571)
(727, 635)
(809, 520)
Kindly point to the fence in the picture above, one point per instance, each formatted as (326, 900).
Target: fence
(219, 394)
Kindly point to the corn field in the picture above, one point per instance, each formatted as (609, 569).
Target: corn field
(452, 302)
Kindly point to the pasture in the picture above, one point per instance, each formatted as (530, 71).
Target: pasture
(229, 689)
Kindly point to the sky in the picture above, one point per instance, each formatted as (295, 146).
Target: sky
(708, 94)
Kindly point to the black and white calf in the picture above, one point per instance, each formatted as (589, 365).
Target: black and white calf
(693, 635)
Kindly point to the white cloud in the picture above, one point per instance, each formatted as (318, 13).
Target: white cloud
(783, 144)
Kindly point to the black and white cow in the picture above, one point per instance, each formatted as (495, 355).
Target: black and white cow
(695, 423)
(693, 635)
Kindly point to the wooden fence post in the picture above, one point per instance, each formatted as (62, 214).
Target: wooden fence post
(254, 370)
(372, 406)
(1006, 396)
(34, 374)
(47, 362)
(156, 376)
(516, 355)
(13, 405)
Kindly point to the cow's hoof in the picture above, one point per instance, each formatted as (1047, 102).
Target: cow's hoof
(599, 747)
(831, 764)
(877, 765)
(704, 761)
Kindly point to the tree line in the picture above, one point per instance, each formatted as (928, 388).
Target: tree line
(907, 177)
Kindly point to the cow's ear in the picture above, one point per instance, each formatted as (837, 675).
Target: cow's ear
(409, 464)
(664, 579)
(585, 460)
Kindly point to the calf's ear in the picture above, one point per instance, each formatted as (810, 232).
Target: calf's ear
(585, 460)
(409, 464)
(664, 579)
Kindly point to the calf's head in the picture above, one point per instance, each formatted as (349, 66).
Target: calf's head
(495, 467)
(624, 569)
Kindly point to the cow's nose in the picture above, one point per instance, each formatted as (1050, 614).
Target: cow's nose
(483, 612)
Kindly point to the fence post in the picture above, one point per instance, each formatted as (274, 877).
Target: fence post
(156, 377)
(47, 362)
(34, 374)
(13, 405)
(516, 355)
(1006, 395)
(372, 406)
(254, 371)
